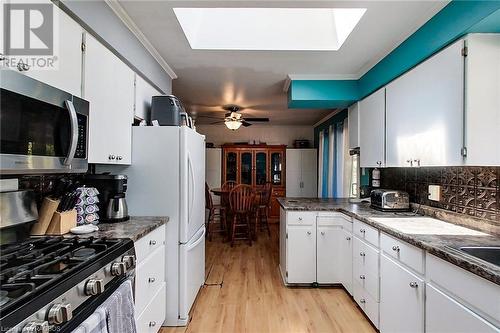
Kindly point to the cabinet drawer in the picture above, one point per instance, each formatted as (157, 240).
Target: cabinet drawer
(367, 303)
(478, 293)
(408, 254)
(153, 316)
(367, 280)
(365, 256)
(301, 218)
(366, 232)
(335, 219)
(149, 243)
(150, 275)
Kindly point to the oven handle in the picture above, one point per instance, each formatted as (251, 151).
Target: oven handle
(74, 132)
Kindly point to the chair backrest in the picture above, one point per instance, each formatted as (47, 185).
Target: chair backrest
(269, 191)
(208, 197)
(241, 198)
(229, 185)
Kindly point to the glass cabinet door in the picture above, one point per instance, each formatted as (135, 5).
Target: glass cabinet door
(231, 166)
(260, 168)
(246, 168)
(276, 168)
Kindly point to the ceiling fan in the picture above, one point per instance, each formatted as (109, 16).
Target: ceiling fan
(233, 119)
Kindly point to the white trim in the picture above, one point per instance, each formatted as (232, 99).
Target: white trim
(130, 24)
(322, 120)
(286, 86)
(323, 77)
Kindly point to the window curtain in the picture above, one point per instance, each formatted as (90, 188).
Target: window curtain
(320, 165)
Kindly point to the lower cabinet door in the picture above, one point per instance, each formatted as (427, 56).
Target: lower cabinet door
(401, 299)
(328, 255)
(151, 319)
(445, 315)
(346, 260)
(301, 254)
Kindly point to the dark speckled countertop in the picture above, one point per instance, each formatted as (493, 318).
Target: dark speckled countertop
(135, 228)
(442, 246)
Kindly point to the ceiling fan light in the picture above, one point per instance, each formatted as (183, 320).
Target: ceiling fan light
(232, 124)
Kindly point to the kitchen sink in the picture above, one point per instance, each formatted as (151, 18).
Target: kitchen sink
(490, 254)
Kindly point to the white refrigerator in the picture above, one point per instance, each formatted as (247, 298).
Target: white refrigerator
(167, 177)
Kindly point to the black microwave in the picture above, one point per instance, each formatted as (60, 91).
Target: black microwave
(42, 129)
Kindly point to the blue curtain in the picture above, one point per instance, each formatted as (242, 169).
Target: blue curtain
(326, 149)
(335, 167)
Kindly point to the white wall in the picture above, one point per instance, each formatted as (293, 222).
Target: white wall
(270, 134)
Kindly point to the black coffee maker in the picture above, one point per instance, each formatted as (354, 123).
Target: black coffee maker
(112, 203)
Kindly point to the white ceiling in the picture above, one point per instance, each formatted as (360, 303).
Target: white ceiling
(255, 79)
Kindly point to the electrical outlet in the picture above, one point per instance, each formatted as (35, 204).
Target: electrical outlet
(435, 192)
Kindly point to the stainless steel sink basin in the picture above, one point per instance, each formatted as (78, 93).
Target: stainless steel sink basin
(490, 254)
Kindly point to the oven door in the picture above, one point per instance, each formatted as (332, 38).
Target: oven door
(43, 129)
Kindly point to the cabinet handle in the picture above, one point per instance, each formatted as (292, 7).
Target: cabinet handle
(379, 163)
(22, 67)
(111, 157)
(362, 277)
(308, 232)
(362, 254)
(152, 323)
(417, 161)
(362, 231)
(151, 280)
(300, 218)
(152, 242)
(119, 157)
(348, 238)
(322, 233)
(414, 284)
(410, 161)
(362, 301)
(395, 248)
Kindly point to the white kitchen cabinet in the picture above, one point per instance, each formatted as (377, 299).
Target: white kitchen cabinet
(329, 254)
(301, 173)
(372, 130)
(445, 315)
(425, 112)
(143, 93)
(67, 74)
(353, 125)
(346, 260)
(109, 87)
(482, 108)
(401, 298)
(301, 254)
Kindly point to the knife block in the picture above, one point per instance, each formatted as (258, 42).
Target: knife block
(45, 215)
(62, 222)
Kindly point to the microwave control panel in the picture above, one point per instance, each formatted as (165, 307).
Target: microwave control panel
(81, 147)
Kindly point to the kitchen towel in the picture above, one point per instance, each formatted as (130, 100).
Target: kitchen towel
(95, 323)
(119, 309)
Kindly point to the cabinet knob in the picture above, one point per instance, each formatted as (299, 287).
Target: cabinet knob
(22, 67)
(308, 232)
(395, 248)
(362, 277)
(362, 254)
(379, 163)
(417, 161)
(362, 301)
(410, 161)
(151, 280)
(322, 233)
(119, 157)
(152, 323)
(152, 242)
(300, 218)
(111, 157)
(414, 284)
(348, 238)
(362, 231)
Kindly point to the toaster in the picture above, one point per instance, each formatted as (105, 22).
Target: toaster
(390, 200)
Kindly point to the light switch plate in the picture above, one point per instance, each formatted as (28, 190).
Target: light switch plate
(435, 192)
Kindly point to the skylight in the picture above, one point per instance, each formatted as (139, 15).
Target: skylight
(316, 29)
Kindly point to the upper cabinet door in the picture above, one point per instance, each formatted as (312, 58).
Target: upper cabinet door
(143, 94)
(67, 75)
(353, 124)
(372, 130)
(425, 112)
(109, 87)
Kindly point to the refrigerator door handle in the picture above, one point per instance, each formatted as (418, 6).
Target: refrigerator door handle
(197, 241)
(191, 190)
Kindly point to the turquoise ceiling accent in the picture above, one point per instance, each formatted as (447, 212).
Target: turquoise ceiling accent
(452, 22)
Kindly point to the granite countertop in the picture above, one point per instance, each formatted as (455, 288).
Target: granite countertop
(443, 246)
(135, 228)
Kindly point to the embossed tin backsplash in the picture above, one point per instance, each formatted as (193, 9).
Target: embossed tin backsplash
(474, 191)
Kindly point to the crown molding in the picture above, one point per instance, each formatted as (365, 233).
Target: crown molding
(130, 24)
(316, 77)
(322, 120)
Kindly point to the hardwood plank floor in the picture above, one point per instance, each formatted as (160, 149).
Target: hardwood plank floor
(245, 293)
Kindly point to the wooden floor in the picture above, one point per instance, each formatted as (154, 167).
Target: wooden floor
(245, 293)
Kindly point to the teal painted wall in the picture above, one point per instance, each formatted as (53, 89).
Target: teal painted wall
(452, 22)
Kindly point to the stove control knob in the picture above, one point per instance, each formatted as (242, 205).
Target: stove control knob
(36, 327)
(118, 268)
(60, 313)
(94, 287)
(129, 261)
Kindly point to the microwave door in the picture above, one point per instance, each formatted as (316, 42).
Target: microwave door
(74, 132)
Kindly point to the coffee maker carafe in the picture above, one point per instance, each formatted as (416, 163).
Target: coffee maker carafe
(112, 203)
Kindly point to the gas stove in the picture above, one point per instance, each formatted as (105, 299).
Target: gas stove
(53, 283)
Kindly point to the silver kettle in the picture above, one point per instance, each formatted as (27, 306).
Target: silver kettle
(117, 209)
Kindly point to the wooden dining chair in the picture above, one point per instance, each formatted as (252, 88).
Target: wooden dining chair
(213, 211)
(262, 210)
(241, 202)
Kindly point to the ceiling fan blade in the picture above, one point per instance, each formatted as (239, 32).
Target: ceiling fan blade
(203, 116)
(245, 123)
(217, 122)
(257, 119)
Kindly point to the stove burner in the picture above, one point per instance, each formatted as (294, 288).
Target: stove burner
(85, 252)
